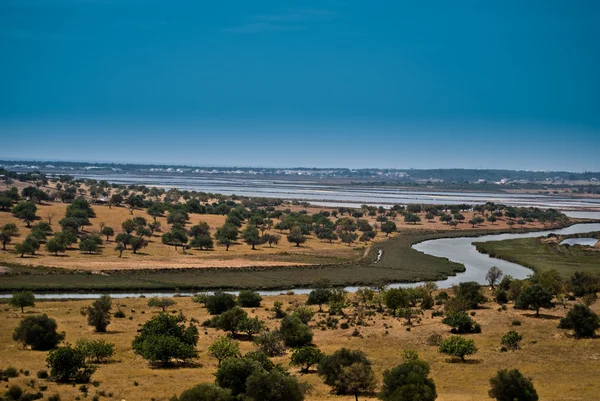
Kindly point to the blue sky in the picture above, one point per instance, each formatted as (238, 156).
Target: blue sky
(492, 84)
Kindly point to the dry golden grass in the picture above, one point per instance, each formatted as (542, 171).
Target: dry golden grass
(158, 255)
(562, 368)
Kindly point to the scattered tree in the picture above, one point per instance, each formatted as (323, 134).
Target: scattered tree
(161, 302)
(38, 332)
(22, 299)
(511, 385)
(458, 346)
(224, 347)
(98, 313)
(582, 320)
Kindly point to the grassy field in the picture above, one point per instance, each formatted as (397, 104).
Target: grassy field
(541, 255)
(561, 367)
(157, 255)
(400, 264)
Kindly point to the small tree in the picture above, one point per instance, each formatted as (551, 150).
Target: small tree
(95, 350)
(582, 320)
(535, 297)
(7, 233)
(55, 246)
(388, 227)
(249, 299)
(510, 385)
(458, 346)
(493, 275)
(224, 347)
(251, 236)
(99, 313)
(68, 364)
(294, 332)
(226, 235)
(511, 340)
(90, 244)
(165, 338)
(395, 298)
(274, 385)
(205, 392)
(304, 313)
(271, 343)
(120, 248)
(408, 381)
(319, 297)
(234, 372)
(25, 211)
(460, 322)
(219, 303)
(108, 232)
(296, 236)
(161, 302)
(38, 332)
(306, 357)
(271, 239)
(22, 299)
(470, 293)
(230, 320)
(347, 372)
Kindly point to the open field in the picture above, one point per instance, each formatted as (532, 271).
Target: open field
(562, 368)
(542, 254)
(401, 264)
(158, 255)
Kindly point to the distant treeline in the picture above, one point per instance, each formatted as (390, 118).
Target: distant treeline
(447, 175)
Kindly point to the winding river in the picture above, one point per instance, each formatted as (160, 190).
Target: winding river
(460, 250)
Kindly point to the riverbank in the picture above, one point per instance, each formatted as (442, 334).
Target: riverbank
(542, 254)
(400, 263)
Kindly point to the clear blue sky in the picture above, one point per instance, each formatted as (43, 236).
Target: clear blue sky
(492, 84)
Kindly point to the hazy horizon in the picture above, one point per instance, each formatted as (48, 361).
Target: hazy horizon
(468, 84)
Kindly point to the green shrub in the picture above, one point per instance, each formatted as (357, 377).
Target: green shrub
(96, 350)
(408, 381)
(249, 299)
(509, 385)
(42, 374)
(38, 332)
(458, 346)
(10, 372)
(294, 332)
(68, 364)
(582, 320)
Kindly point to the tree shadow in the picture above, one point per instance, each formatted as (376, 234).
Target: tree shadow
(542, 316)
(465, 362)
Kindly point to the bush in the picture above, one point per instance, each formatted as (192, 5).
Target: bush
(273, 386)
(42, 374)
(38, 332)
(511, 340)
(582, 320)
(434, 339)
(535, 297)
(306, 357)
(270, 343)
(96, 350)
(501, 296)
(344, 326)
(230, 320)
(99, 313)
(165, 337)
(408, 381)
(22, 299)
(224, 347)
(319, 296)
(294, 332)
(461, 323)
(119, 314)
(470, 293)
(10, 372)
(347, 372)
(249, 299)
(14, 393)
(219, 303)
(304, 313)
(205, 392)
(68, 364)
(234, 372)
(458, 346)
(510, 385)
(516, 322)
(161, 302)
